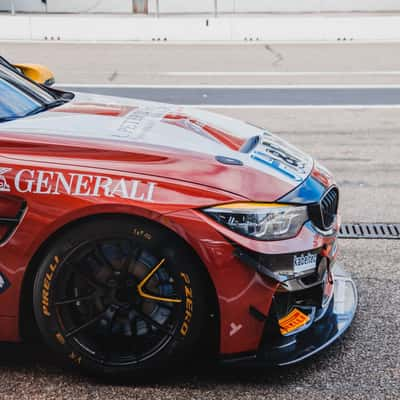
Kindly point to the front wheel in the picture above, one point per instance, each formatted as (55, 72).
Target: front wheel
(119, 295)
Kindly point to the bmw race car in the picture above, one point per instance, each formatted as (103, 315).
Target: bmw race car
(133, 232)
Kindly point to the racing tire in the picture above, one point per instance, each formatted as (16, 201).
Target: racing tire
(118, 296)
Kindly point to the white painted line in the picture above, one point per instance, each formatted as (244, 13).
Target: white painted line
(272, 86)
(302, 107)
(277, 73)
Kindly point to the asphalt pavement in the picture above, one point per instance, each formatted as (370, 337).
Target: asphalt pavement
(213, 64)
(252, 96)
(359, 144)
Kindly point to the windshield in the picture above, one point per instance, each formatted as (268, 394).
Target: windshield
(20, 98)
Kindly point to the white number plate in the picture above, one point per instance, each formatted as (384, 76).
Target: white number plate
(304, 262)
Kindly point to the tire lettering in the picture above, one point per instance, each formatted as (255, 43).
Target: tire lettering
(60, 338)
(141, 233)
(75, 358)
(188, 291)
(46, 286)
(185, 278)
(188, 305)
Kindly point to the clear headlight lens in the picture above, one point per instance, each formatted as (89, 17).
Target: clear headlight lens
(261, 221)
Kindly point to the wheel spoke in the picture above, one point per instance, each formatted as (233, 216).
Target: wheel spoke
(131, 258)
(88, 279)
(108, 320)
(111, 300)
(86, 325)
(145, 280)
(98, 252)
(76, 299)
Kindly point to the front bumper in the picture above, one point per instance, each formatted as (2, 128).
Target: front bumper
(326, 326)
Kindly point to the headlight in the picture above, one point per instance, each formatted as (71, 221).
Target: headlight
(261, 221)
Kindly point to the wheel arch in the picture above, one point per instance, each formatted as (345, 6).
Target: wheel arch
(27, 324)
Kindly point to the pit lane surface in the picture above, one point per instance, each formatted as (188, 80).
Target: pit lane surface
(253, 96)
(362, 147)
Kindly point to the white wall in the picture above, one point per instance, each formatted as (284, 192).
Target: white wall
(23, 5)
(277, 6)
(201, 6)
(83, 6)
(264, 28)
(204, 6)
(315, 5)
(245, 6)
(360, 5)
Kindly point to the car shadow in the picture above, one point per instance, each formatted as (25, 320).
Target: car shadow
(38, 360)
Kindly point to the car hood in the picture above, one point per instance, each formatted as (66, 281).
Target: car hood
(163, 140)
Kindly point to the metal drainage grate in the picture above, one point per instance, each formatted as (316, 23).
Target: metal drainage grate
(369, 231)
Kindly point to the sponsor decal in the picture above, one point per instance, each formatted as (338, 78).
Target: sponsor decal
(4, 284)
(304, 262)
(4, 186)
(293, 321)
(140, 121)
(74, 184)
(235, 328)
(282, 157)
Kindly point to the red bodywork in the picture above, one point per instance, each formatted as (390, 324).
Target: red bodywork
(64, 178)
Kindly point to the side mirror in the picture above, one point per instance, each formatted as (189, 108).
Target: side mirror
(37, 73)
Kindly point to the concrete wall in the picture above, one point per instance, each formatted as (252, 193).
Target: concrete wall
(204, 6)
(23, 5)
(245, 6)
(240, 29)
(360, 5)
(85, 6)
(73, 6)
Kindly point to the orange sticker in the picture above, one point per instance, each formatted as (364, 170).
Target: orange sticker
(294, 320)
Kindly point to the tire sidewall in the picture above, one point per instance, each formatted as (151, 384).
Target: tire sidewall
(150, 236)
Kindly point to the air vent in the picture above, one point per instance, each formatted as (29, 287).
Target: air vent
(369, 231)
(11, 211)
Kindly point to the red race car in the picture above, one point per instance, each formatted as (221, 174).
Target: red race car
(133, 232)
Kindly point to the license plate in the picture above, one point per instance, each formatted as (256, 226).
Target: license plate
(294, 320)
(304, 262)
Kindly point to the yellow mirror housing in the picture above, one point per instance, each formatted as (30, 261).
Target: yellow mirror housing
(38, 73)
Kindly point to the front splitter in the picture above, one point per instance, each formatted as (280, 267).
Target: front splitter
(322, 333)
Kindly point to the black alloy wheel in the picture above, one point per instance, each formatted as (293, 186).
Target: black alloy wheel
(116, 295)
